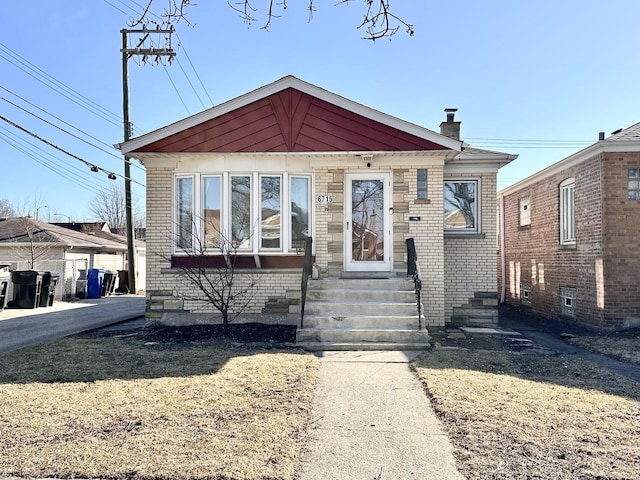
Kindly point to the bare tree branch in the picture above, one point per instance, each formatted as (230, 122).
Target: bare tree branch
(378, 21)
(217, 286)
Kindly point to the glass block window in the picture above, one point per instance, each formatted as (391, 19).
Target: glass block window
(634, 184)
(422, 183)
(568, 301)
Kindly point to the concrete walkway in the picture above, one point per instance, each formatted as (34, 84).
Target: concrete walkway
(22, 327)
(373, 421)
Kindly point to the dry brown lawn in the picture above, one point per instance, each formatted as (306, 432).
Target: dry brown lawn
(624, 346)
(534, 416)
(120, 407)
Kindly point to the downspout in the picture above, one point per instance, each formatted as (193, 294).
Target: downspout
(503, 261)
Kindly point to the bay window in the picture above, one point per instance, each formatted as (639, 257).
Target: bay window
(249, 212)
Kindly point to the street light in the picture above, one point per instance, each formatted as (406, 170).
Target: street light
(38, 209)
(63, 215)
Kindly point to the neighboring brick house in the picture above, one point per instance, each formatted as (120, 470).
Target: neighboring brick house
(289, 160)
(571, 236)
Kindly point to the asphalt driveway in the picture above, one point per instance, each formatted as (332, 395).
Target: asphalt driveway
(22, 327)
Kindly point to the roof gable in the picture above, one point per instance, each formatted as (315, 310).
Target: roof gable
(290, 116)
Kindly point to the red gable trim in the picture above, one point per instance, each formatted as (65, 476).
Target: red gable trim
(290, 121)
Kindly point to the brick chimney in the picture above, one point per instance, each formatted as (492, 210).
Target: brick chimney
(450, 128)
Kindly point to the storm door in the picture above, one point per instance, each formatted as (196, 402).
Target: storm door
(368, 222)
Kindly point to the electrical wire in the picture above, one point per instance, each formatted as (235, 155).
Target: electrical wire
(92, 166)
(176, 89)
(56, 85)
(108, 152)
(49, 164)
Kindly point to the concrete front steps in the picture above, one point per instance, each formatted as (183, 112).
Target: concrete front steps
(369, 312)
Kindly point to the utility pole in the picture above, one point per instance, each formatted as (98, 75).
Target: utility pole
(156, 54)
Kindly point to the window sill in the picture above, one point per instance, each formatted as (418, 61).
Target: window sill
(461, 235)
(423, 201)
(568, 246)
(243, 262)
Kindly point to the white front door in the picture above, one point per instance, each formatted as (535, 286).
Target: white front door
(368, 222)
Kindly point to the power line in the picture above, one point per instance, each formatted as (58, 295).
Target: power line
(92, 166)
(119, 157)
(30, 151)
(56, 85)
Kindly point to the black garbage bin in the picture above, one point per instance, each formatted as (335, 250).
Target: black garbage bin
(108, 283)
(5, 278)
(48, 290)
(27, 286)
(123, 281)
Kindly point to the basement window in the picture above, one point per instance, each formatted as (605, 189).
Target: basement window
(525, 294)
(568, 301)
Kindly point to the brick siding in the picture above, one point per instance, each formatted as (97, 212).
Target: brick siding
(602, 266)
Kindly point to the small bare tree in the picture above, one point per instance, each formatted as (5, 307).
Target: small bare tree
(209, 264)
(109, 206)
(34, 242)
(378, 21)
(6, 209)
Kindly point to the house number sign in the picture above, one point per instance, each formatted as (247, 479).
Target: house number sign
(324, 199)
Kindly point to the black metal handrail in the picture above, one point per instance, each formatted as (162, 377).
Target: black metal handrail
(306, 271)
(413, 270)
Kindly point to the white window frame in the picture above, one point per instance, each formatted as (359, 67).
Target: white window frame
(201, 223)
(567, 212)
(197, 202)
(176, 215)
(633, 184)
(283, 241)
(309, 208)
(477, 206)
(525, 211)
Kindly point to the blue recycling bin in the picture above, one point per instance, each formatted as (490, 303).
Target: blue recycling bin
(95, 279)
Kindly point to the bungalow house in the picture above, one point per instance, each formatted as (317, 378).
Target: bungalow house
(569, 237)
(289, 160)
(28, 244)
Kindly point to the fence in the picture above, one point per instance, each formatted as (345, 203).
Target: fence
(70, 271)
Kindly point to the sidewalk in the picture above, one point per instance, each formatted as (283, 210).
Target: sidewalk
(372, 420)
(22, 327)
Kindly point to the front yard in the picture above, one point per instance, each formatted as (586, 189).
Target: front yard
(122, 407)
(534, 416)
(131, 406)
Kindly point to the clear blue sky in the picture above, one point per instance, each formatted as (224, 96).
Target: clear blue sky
(539, 79)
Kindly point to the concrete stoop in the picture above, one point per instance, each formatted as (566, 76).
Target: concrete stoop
(372, 312)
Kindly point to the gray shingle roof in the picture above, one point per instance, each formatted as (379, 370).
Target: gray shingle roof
(631, 133)
(26, 229)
